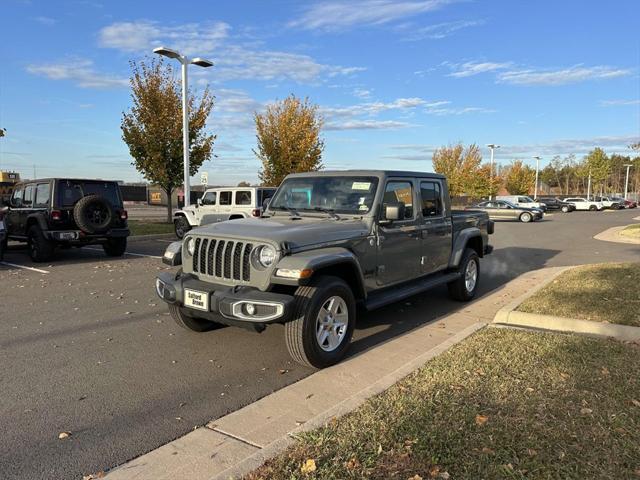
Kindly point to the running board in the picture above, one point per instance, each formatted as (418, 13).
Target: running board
(397, 293)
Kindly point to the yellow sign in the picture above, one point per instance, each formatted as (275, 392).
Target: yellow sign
(156, 197)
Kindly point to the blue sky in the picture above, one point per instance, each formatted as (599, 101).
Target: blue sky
(393, 79)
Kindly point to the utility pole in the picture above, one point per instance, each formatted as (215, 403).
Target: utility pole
(589, 186)
(535, 192)
(626, 180)
(492, 146)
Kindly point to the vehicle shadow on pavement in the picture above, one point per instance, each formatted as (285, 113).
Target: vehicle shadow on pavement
(393, 320)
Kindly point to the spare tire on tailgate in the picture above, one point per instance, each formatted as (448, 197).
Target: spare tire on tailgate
(93, 214)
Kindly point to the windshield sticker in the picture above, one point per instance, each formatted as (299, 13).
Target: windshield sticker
(361, 186)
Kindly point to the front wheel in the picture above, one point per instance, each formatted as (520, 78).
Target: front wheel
(181, 227)
(526, 217)
(323, 322)
(565, 209)
(190, 323)
(40, 249)
(115, 247)
(592, 208)
(464, 288)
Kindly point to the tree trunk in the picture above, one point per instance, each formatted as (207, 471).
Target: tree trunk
(169, 191)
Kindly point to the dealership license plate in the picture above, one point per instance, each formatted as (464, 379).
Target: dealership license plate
(196, 299)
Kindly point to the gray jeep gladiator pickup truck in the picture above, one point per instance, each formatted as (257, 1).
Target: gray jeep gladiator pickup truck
(328, 242)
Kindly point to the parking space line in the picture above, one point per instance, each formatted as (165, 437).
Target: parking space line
(23, 267)
(126, 253)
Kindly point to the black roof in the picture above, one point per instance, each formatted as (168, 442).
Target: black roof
(374, 173)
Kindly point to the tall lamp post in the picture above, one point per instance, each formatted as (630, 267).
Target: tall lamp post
(492, 146)
(626, 180)
(535, 192)
(185, 61)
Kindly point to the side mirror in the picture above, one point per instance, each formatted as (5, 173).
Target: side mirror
(199, 201)
(393, 212)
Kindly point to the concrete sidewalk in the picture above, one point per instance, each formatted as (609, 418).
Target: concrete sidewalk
(239, 442)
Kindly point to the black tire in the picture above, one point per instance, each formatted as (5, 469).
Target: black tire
(526, 217)
(190, 323)
(93, 214)
(3, 248)
(40, 249)
(115, 247)
(181, 226)
(592, 208)
(301, 332)
(565, 209)
(459, 289)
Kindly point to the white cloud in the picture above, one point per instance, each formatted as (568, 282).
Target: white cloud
(232, 60)
(372, 108)
(565, 76)
(366, 125)
(340, 15)
(614, 103)
(362, 93)
(79, 71)
(469, 69)
(45, 20)
(143, 35)
(440, 30)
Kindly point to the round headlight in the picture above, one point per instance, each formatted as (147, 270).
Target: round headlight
(191, 246)
(266, 256)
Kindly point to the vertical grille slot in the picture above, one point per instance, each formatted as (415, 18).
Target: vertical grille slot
(237, 261)
(227, 260)
(203, 256)
(195, 255)
(219, 252)
(211, 257)
(246, 262)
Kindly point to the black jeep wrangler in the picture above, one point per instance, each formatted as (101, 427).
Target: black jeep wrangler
(67, 213)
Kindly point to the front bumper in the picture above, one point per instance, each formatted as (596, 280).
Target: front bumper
(227, 305)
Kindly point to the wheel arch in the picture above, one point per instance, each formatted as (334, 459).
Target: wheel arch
(467, 238)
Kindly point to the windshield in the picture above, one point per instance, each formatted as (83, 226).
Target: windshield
(348, 195)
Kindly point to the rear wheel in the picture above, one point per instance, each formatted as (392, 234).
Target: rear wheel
(464, 288)
(526, 217)
(324, 318)
(565, 209)
(40, 249)
(190, 323)
(181, 227)
(592, 208)
(115, 247)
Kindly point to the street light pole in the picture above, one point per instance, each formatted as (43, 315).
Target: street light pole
(492, 146)
(626, 180)
(185, 61)
(535, 193)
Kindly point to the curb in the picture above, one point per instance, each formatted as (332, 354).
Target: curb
(509, 316)
(343, 408)
(613, 235)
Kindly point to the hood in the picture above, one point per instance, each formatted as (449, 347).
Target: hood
(296, 231)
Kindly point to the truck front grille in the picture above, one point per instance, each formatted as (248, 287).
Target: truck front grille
(223, 259)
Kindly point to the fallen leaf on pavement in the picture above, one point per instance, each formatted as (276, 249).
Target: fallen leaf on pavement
(63, 435)
(309, 466)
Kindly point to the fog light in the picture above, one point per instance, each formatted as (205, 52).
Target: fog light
(250, 308)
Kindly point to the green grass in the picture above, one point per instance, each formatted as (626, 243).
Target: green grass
(502, 404)
(632, 231)
(601, 293)
(139, 227)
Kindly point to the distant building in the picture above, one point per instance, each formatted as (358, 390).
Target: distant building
(7, 181)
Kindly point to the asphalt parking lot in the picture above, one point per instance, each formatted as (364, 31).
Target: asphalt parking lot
(87, 347)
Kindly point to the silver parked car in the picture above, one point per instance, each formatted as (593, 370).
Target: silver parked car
(504, 210)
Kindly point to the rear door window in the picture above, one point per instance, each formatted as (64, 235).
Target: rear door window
(431, 199)
(225, 198)
(43, 193)
(243, 197)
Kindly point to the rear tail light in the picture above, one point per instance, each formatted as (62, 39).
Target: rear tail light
(56, 215)
(255, 212)
(123, 215)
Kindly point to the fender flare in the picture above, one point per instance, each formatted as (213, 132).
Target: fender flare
(37, 218)
(461, 242)
(188, 215)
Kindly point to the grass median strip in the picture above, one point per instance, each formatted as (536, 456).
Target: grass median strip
(501, 404)
(139, 227)
(601, 293)
(632, 231)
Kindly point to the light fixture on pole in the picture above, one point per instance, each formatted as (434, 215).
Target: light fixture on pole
(626, 180)
(535, 192)
(492, 146)
(185, 61)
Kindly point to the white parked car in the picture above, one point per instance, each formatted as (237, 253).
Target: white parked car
(220, 204)
(610, 202)
(522, 201)
(582, 203)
